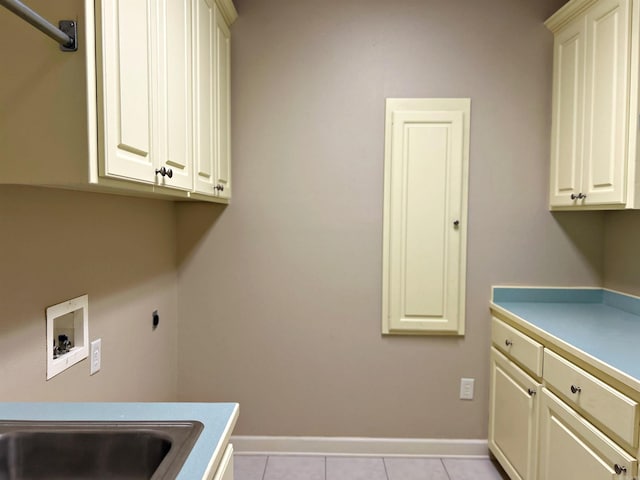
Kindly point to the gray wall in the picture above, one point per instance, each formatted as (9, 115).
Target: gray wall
(56, 245)
(280, 293)
(622, 243)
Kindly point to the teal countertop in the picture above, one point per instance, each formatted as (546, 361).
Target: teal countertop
(603, 324)
(218, 420)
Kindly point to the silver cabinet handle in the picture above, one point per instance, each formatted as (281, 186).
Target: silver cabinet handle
(575, 389)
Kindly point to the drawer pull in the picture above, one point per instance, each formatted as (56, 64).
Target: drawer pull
(575, 389)
(508, 342)
(619, 469)
(164, 172)
(531, 392)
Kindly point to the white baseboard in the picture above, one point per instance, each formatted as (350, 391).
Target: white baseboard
(388, 447)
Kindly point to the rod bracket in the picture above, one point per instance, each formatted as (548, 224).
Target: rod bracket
(70, 27)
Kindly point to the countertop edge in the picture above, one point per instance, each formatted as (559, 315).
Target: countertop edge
(551, 341)
(206, 454)
(218, 453)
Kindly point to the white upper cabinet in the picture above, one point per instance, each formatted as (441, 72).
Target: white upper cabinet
(222, 155)
(594, 122)
(175, 96)
(128, 47)
(425, 206)
(212, 96)
(138, 109)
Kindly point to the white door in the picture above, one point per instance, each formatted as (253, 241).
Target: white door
(204, 96)
(606, 106)
(223, 107)
(175, 98)
(567, 116)
(570, 447)
(513, 417)
(127, 46)
(425, 215)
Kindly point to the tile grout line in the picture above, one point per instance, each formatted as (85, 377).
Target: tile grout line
(384, 464)
(264, 472)
(325, 467)
(445, 469)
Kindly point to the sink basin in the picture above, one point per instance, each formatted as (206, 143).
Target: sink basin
(95, 450)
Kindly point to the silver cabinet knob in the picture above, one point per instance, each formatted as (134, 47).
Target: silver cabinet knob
(164, 172)
(619, 469)
(575, 389)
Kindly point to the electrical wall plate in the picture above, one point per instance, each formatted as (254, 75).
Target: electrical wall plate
(70, 318)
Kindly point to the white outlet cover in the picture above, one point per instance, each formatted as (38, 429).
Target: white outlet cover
(466, 388)
(95, 356)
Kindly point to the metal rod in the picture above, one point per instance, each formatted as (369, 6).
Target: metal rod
(39, 22)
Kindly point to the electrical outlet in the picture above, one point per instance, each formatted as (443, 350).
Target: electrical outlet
(466, 388)
(96, 355)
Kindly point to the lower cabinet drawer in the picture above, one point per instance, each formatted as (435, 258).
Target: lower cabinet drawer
(572, 448)
(518, 346)
(611, 409)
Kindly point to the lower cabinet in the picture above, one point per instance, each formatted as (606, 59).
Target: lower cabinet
(513, 418)
(225, 468)
(570, 447)
(588, 432)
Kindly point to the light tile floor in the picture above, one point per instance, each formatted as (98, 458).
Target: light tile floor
(282, 467)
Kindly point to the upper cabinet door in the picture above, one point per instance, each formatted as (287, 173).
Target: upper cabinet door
(175, 151)
(127, 132)
(568, 94)
(212, 101)
(426, 164)
(223, 112)
(606, 102)
(204, 95)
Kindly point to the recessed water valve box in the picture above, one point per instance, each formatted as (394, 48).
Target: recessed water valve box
(67, 334)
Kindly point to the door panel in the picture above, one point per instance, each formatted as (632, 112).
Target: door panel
(425, 205)
(606, 106)
(566, 137)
